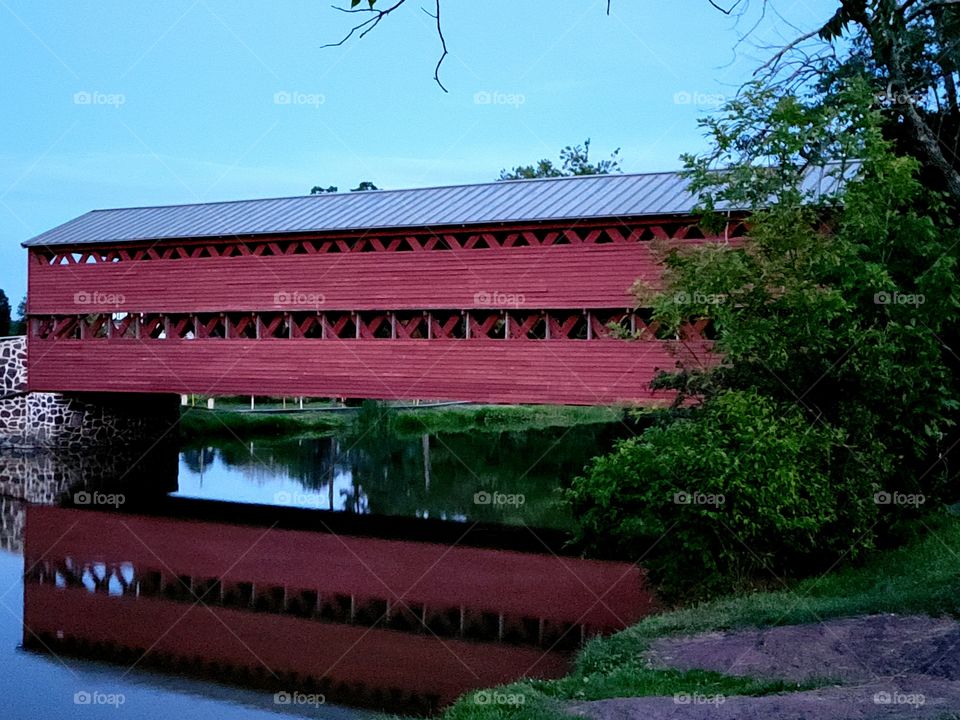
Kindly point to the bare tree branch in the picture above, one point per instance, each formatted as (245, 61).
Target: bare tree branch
(725, 11)
(377, 15)
(367, 25)
(443, 45)
(773, 63)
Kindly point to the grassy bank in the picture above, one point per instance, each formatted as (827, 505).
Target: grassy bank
(500, 418)
(921, 577)
(197, 424)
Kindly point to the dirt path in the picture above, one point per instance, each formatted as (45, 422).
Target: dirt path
(882, 666)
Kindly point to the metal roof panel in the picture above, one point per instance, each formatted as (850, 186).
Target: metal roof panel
(565, 198)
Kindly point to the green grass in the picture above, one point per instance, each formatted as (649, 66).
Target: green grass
(921, 577)
(500, 418)
(200, 423)
(540, 697)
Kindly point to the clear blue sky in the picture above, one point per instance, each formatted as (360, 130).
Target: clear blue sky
(183, 101)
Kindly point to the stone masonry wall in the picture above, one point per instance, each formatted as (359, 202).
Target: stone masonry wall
(13, 361)
(75, 421)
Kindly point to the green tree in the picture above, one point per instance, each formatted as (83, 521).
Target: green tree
(574, 160)
(911, 52)
(743, 486)
(835, 308)
(19, 327)
(363, 186)
(4, 314)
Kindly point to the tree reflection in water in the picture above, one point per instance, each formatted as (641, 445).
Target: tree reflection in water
(373, 469)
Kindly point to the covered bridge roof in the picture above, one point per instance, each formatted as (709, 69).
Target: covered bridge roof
(513, 201)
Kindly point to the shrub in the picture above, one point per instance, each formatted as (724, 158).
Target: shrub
(738, 489)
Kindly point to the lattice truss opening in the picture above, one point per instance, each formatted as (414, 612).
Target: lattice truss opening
(386, 242)
(546, 325)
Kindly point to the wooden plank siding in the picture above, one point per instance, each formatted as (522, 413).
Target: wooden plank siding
(556, 277)
(482, 370)
(592, 271)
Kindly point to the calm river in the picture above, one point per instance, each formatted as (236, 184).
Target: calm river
(328, 577)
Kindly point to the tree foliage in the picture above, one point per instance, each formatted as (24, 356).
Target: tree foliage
(832, 316)
(574, 160)
(19, 326)
(743, 487)
(362, 187)
(911, 53)
(4, 314)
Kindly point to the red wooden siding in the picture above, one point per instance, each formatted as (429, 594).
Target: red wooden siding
(556, 277)
(365, 294)
(482, 370)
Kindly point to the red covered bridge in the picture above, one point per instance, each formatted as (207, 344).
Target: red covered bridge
(501, 292)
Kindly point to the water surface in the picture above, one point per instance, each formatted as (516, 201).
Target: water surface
(373, 572)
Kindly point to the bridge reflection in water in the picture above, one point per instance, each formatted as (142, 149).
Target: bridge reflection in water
(394, 625)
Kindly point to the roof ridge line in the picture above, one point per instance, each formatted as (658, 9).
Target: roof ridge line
(379, 191)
